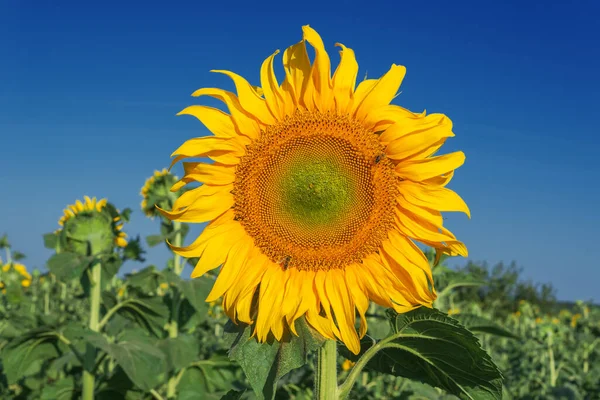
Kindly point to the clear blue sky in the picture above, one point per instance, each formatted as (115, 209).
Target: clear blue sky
(88, 97)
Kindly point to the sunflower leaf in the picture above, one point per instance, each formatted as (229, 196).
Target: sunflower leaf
(67, 266)
(428, 346)
(264, 364)
(24, 355)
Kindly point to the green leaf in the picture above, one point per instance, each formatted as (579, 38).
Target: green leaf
(428, 346)
(154, 240)
(233, 395)
(207, 379)
(67, 266)
(149, 313)
(196, 290)
(147, 280)
(126, 214)
(110, 267)
(133, 250)
(20, 355)
(63, 389)
(264, 364)
(179, 351)
(139, 357)
(478, 324)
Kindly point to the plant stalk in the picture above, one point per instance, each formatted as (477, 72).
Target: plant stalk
(553, 374)
(326, 382)
(174, 323)
(177, 267)
(90, 352)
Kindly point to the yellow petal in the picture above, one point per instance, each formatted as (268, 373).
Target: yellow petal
(215, 120)
(222, 224)
(244, 124)
(414, 138)
(270, 86)
(249, 99)
(420, 170)
(192, 195)
(216, 249)
(205, 208)
(269, 303)
(209, 173)
(435, 198)
(344, 79)
(297, 70)
(232, 267)
(412, 260)
(321, 70)
(320, 279)
(359, 297)
(417, 228)
(207, 146)
(384, 117)
(382, 92)
(343, 308)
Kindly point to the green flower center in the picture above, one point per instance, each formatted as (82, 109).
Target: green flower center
(318, 193)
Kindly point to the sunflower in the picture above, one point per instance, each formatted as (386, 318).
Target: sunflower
(94, 221)
(155, 192)
(315, 196)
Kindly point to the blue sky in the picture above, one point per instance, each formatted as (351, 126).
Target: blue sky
(88, 97)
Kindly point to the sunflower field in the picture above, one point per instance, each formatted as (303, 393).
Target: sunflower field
(321, 271)
(158, 339)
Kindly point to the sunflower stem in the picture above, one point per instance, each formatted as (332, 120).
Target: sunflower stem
(90, 352)
(326, 382)
(174, 323)
(177, 242)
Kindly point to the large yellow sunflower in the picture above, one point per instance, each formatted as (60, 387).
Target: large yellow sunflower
(315, 196)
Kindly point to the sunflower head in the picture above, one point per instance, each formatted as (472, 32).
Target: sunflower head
(315, 193)
(157, 192)
(91, 227)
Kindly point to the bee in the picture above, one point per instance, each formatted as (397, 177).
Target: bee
(379, 158)
(284, 262)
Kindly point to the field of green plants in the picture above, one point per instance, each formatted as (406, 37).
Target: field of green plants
(150, 334)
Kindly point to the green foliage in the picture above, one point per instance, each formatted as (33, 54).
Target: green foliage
(158, 338)
(266, 363)
(428, 346)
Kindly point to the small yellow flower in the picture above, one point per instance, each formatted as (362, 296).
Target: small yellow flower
(121, 291)
(454, 311)
(517, 314)
(1, 285)
(26, 283)
(22, 270)
(574, 320)
(555, 321)
(563, 313)
(347, 364)
(5, 267)
(164, 286)
(538, 320)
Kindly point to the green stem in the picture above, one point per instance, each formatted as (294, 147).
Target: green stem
(90, 352)
(46, 302)
(174, 323)
(177, 267)
(326, 382)
(553, 376)
(8, 256)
